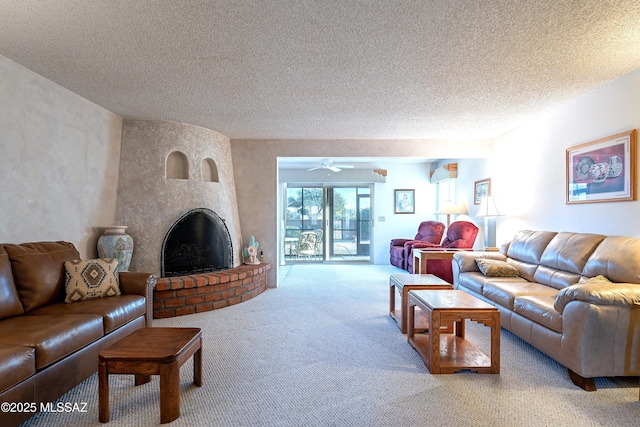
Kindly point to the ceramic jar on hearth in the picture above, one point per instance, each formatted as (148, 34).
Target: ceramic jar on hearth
(116, 243)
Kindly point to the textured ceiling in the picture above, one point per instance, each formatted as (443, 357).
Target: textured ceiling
(327, 68)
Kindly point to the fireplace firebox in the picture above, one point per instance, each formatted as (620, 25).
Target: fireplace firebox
(198, 242)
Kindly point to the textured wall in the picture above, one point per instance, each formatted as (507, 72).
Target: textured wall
(58, 162)
(149, 203)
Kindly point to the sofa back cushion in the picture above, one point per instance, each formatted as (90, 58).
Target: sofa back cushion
(38, 271)
(528, 246)
(617, 258)
(570, 251)
(9, 302)
(564, 258)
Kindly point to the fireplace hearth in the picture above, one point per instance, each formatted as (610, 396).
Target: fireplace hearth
(198, 242)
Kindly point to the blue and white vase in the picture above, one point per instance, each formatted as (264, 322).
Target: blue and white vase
(116, 243)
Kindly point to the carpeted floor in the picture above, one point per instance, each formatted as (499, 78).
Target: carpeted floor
(321, 350)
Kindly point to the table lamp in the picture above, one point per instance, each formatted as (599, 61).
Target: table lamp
(449, 208)
(489, 211)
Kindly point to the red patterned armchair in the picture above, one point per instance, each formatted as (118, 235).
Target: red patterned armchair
(429, 232)
(460, 235)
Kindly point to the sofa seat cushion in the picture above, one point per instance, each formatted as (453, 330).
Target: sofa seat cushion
(476, 281)
(17, 363)
(115, 311)
(505, 292)
(52, 336)
(539, 308)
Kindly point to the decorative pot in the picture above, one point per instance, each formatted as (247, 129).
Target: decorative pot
(116, 243)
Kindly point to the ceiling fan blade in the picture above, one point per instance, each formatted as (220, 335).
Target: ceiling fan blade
(312, 169)
(334, 168)
(345, 166)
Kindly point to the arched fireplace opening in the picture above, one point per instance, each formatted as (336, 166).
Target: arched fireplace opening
(198, 242)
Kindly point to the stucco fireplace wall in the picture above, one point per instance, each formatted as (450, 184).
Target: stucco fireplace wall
(167, 169)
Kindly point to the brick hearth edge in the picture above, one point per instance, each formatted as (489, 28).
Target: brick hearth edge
(177, 296)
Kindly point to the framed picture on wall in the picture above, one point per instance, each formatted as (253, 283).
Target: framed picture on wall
(481, 189)
(603, 170)
(404, 201)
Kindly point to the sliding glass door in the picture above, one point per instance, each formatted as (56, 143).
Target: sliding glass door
(350, 226)
(311, 235)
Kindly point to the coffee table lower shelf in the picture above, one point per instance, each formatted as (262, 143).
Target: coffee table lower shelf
(456, 354)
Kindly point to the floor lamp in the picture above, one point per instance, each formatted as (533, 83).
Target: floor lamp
(449, 208)
(489, 211)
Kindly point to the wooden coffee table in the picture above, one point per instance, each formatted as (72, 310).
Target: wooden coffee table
(402, 284)
(449, 353)
(152, 351)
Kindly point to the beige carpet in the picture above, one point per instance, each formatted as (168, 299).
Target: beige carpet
(321, 350)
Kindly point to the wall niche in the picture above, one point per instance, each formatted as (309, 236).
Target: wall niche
(177, 166)
(209, 170)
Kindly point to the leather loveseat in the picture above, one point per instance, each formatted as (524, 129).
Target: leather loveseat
(573, 296)
(47, 345)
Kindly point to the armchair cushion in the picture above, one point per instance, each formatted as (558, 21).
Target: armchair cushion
(460, 234)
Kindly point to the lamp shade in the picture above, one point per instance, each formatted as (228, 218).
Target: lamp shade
(449, 208)
(488, 207)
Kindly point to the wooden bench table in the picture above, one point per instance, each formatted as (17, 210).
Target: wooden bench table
(449, 353)
(400, 285)
(152, 351)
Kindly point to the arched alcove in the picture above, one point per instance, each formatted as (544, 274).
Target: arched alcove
(177, 166)
(209, 170)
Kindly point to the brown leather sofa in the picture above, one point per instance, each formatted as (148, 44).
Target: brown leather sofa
(576, 298)
(48, 346)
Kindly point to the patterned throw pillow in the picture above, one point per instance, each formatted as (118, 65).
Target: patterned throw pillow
(94, 278)
(497, 268)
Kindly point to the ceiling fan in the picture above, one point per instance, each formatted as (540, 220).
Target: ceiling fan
(328, 164)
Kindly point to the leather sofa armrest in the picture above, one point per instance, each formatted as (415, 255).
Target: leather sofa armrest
(399, 242)
(620, 294)
(133, 283)
(466, 260)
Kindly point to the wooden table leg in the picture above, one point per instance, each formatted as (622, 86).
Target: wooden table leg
(392, 298)
(433, 317)
(103, 392)
(495, 343)
(169, 392)
(411, 312)
(197, 367)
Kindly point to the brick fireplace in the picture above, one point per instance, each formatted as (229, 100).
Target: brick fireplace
(177, 296)
(197, 268)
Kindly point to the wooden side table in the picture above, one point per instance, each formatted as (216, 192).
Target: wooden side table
(421, 257)
(152, 351)
(449, 353)
(402, 284)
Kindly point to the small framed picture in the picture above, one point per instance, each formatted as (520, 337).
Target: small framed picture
(481, 189)
(405, 202)
(603, 170)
